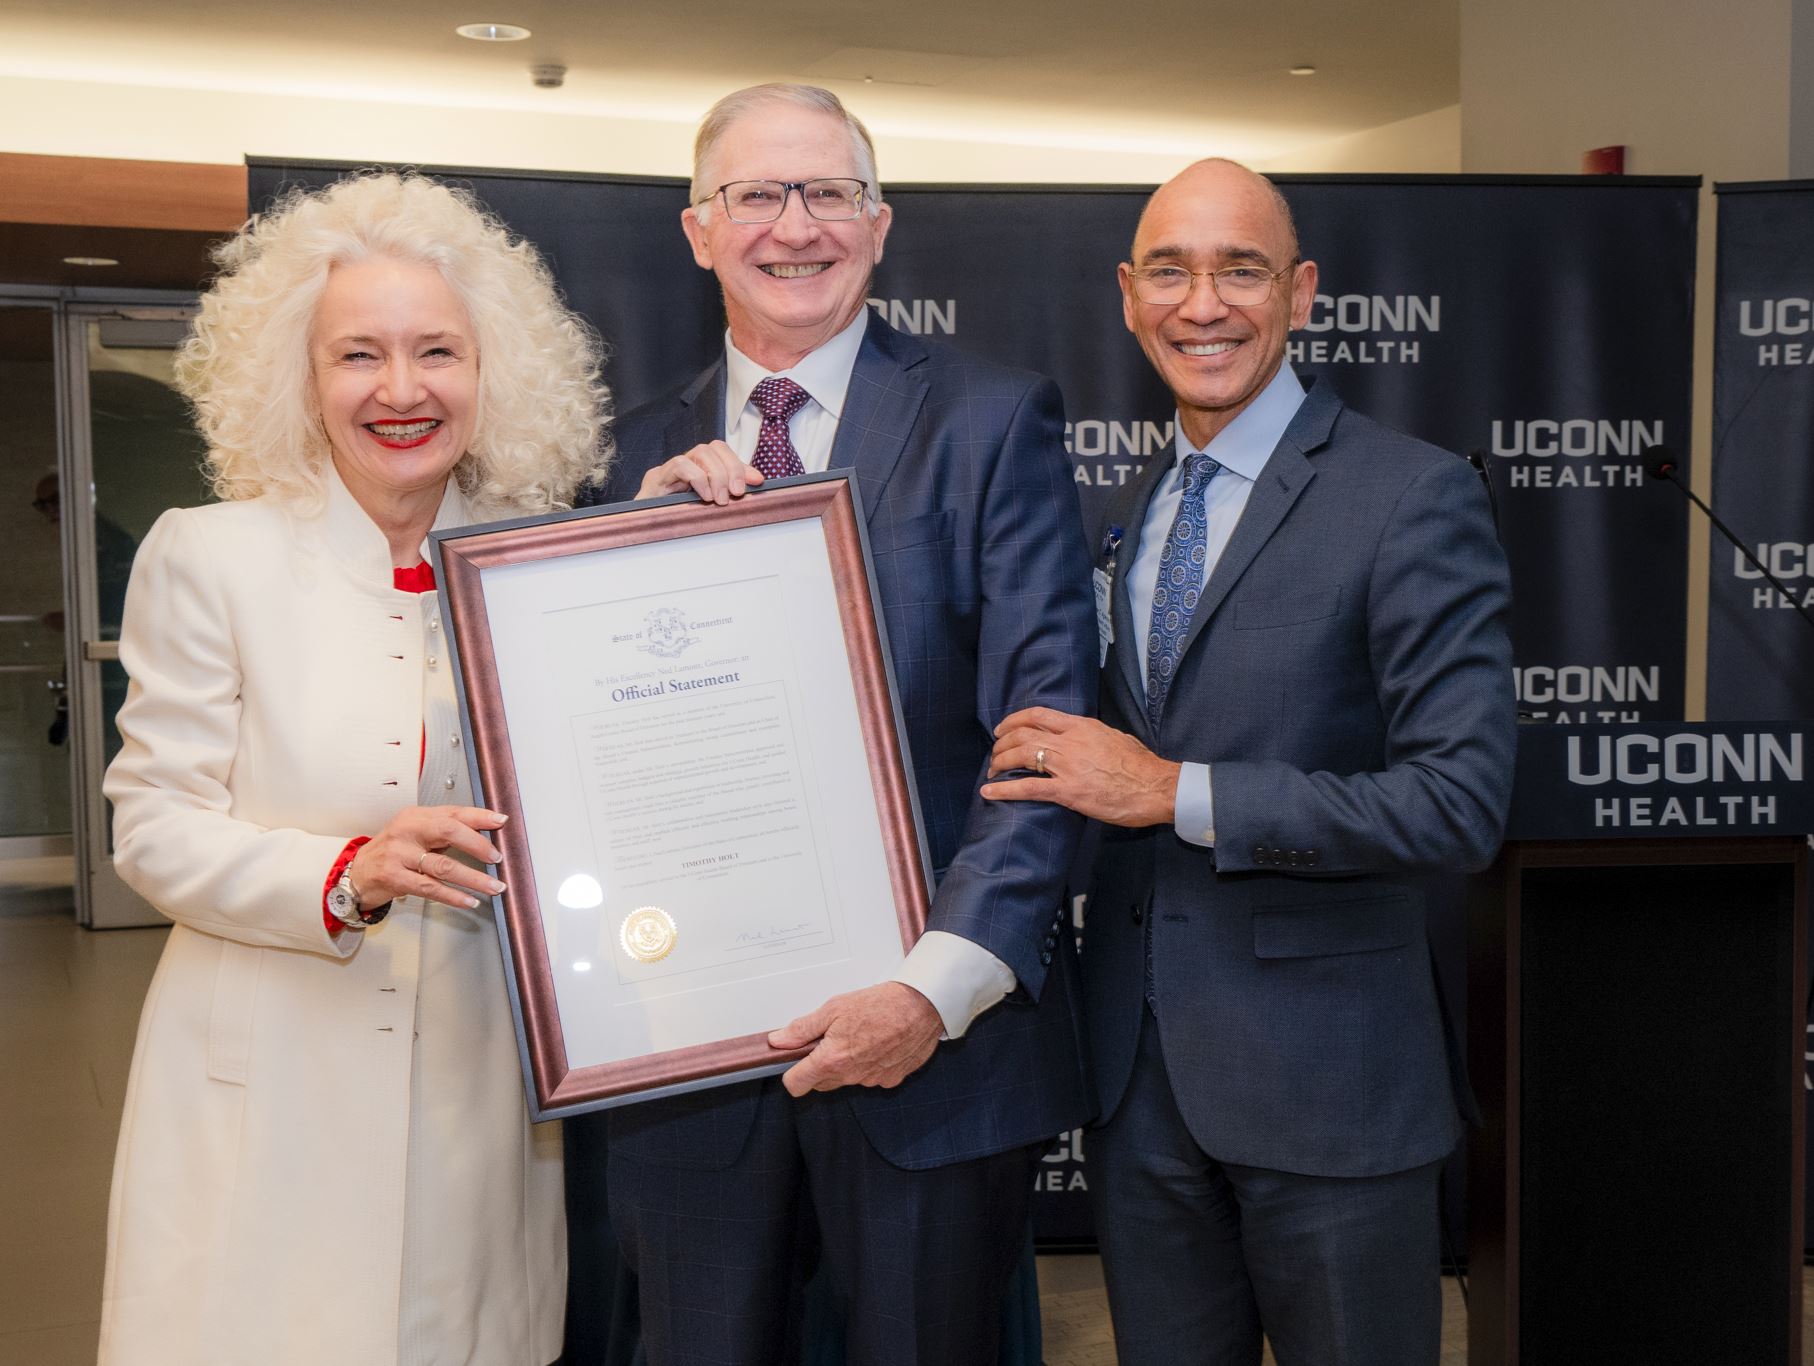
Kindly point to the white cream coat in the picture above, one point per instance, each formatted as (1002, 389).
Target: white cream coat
(258, 1210)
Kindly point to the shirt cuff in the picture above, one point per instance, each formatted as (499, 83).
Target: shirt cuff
(960, 977)
(1194, 810)
(334, 923)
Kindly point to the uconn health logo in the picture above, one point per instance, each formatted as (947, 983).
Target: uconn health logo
(1792, 562)
(1668, 780)
(921, 317)
(1584, 694)
(1106, 452)
(1367, 329)
(1575, 452)
(1784, 327)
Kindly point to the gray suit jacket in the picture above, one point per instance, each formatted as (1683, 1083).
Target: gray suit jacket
(1347, 677)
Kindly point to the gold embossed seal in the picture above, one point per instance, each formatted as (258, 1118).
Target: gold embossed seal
(648, 934)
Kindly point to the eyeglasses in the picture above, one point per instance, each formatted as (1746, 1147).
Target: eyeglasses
(1238, 286)
(828, 198)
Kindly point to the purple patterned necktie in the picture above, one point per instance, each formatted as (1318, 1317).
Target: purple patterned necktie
(1180, 583)
(777, 400)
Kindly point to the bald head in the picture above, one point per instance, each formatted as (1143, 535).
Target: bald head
(1219, 179)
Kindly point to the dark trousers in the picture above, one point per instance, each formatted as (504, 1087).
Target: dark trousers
(918, 1259)
(1200, 1257)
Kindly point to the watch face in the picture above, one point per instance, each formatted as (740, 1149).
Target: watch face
(342, 903)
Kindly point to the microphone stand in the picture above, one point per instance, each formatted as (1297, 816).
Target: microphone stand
(1662, 466)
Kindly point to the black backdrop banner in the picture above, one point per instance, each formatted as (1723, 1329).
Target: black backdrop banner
(1545, 323)
(1760, 652)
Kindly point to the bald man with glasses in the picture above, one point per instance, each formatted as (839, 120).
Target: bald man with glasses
(1307, 704)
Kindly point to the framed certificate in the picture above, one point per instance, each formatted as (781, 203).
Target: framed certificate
(687, 711)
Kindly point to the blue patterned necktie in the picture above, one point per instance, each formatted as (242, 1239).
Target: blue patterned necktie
(1180, 583)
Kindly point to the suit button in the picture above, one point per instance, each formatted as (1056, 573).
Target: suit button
(1259, 853)
(1046, 958)
(1136, 913)
(1291, 858)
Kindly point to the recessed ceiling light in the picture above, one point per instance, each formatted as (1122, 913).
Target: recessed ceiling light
(493, 33)
(89, 261)
(1303, 71)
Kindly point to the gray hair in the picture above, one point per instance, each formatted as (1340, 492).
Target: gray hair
(719, 118)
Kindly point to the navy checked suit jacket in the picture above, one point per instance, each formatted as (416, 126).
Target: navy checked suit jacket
(983, 573)
(1347, 677)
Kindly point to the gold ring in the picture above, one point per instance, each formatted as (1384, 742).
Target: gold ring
(422, 860)
(1039, 760)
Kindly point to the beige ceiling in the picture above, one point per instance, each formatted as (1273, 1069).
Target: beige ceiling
(1067, 70)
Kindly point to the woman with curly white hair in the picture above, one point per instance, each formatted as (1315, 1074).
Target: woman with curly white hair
(325, 1154)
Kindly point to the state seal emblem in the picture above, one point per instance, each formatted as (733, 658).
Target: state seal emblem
(648, 934)
(665, 633)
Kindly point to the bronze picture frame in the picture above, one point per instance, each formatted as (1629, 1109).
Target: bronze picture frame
(462, 558)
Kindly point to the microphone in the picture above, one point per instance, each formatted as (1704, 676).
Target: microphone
(1659, 463)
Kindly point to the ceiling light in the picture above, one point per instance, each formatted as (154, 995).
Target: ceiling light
(1303, 71)
(493, 33)
(89, 261)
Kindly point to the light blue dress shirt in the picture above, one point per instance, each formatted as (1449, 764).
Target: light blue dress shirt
(1242, 449)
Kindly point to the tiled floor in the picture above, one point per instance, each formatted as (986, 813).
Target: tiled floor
(1075, 1319)
(69, 1008)
(69, 1005)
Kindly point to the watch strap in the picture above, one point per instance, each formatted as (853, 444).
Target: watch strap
(349, 894)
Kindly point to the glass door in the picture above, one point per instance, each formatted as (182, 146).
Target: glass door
(34, 713)
(131, 451)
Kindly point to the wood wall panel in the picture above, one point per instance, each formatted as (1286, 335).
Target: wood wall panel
(101, 192)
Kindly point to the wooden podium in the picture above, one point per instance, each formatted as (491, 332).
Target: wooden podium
(1637, 998)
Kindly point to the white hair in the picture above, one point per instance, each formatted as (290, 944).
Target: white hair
(734, 106)
(540, 429)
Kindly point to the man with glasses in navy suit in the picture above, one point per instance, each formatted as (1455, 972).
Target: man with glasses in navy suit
(902, 1148)
(1307, 703)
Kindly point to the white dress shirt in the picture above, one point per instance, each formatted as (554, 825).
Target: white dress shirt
(960, 977)
(1242, 449)
(824, 373)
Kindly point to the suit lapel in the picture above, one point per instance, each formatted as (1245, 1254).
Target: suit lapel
(888, 387)
(1134, 508)
(701, 415)
(1287, 473)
